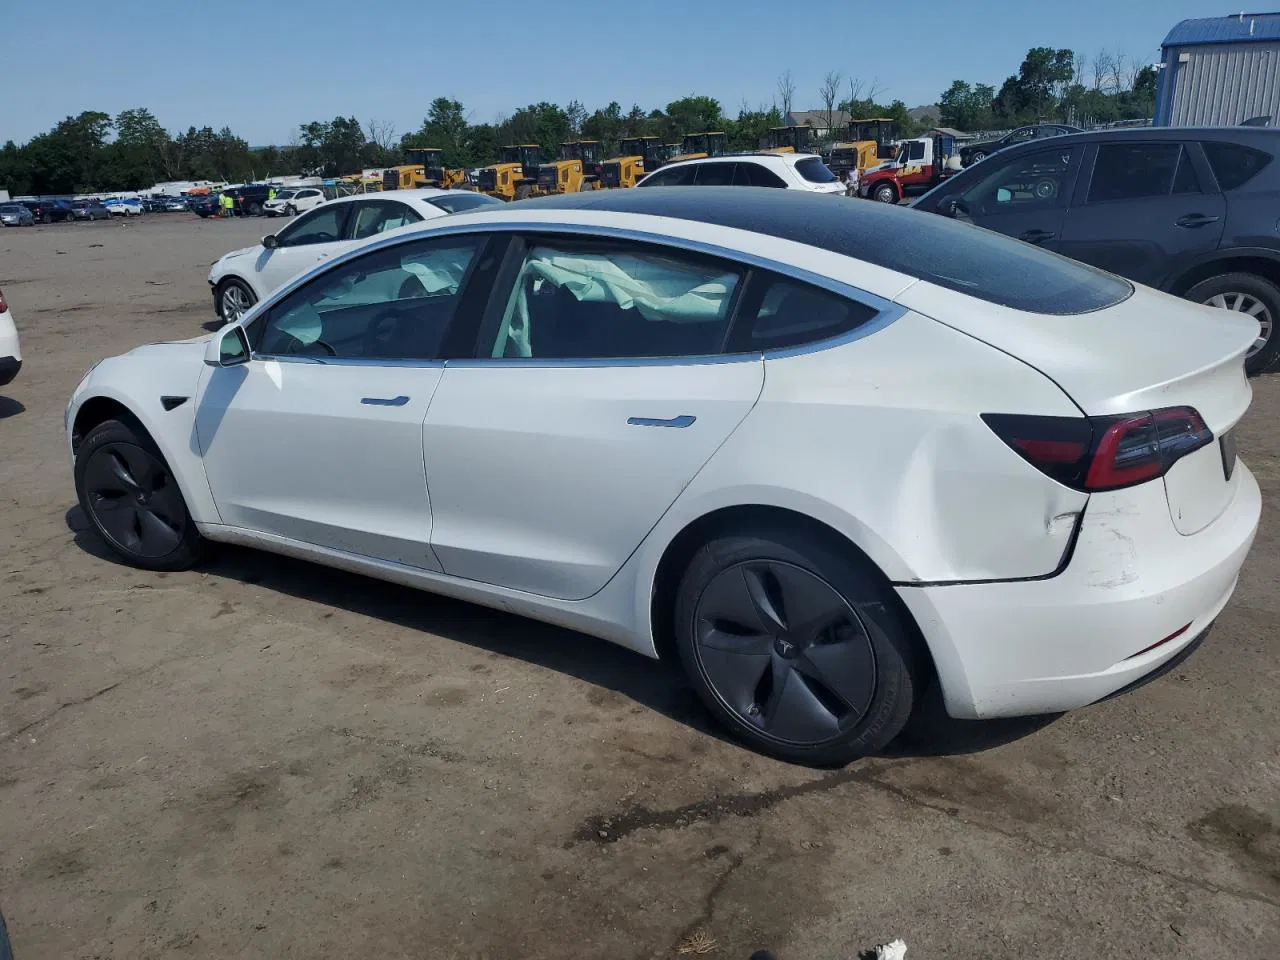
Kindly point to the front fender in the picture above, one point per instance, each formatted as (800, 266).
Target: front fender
(138, 382)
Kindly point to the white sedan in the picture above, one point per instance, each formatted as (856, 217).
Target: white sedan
(241, 278)
(10, 351)
(821, 458)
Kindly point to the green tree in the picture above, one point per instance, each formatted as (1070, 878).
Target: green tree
(694, 115)
(965, 107)
(1036, 91)
(606, 126)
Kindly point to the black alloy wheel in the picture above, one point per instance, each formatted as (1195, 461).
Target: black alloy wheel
(131, 497)
(801, 648)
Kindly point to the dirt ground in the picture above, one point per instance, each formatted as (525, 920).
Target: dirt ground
(268, 759)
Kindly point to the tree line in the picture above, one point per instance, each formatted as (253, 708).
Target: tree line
(132, 150)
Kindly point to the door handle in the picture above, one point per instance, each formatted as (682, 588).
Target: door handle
(1193, 220)
(678, 422)
(1037, 236)
(399, 401)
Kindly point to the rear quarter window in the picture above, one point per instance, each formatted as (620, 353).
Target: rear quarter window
(814, 170)
(1234, 164)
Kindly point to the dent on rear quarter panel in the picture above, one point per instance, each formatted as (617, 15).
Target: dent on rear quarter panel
(885, 433)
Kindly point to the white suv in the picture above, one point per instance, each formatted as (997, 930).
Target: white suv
(289, 201)
(10, 353)
(793, 171)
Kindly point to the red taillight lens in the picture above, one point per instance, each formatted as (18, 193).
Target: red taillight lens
(3, 306)
(1103, 453)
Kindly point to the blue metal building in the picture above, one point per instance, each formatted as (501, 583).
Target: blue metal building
(1220, 71)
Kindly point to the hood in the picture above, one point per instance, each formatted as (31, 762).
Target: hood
(174, 349)
(240, 253)
(1149, 351)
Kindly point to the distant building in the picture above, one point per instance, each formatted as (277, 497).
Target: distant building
(817, 119)
(1220, 71)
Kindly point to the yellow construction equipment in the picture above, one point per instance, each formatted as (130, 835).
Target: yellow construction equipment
(435, 174)
(788, 140)
(870, 144)
(639, 155)
(402, 177)
(696, 146)
(577, 168)
(515, 175)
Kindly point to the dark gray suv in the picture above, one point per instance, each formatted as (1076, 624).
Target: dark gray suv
(1194, 212)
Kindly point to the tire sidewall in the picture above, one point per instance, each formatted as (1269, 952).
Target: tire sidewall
(867, 592)
(1255, 286)
(192, 543)
(884, 190)
(222, 289)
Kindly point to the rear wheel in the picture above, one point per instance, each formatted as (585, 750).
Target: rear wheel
(885, 193)
(1252, 295)
(977, 157)
(255, 209)
(133, 501)
(798, 647)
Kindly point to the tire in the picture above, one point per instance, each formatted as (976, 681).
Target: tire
(235, 297)
(839, 686)
(132, 500)
(291, 210)
(1251, 294)
(885, 193)
(977, 157)
(255, 209)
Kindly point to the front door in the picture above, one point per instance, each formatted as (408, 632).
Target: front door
(318, 438)
(301, 245)
(594, 399)
(1024, 196)
(1144, 212)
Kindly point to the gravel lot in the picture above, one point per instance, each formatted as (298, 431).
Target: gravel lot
(268, 759)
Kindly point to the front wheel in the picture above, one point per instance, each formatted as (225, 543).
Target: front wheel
(234, 300)
(799, 647)
(885, 193)
(132, 499)
(1254, 296)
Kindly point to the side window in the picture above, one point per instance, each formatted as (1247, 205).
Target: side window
(1186, 180)
(1234, 164)
(788, 313)
(321, 225)
(1132, 171)
(390, 304)
(758, 175)
(377, 216)
(715, 174)
(1031, 181)
(609, 300)
(679, 176)
(1020, 136)
(916, 151)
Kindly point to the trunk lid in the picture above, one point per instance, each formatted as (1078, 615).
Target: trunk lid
(1149, 351)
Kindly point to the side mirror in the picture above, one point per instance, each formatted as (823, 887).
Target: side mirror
(270, 241)
(229, 348)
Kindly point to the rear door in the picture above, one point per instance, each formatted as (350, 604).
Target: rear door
(1147, 210)
(1024, 196)
(596, 393)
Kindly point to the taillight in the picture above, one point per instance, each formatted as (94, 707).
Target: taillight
(3, 306)
(1103, 453)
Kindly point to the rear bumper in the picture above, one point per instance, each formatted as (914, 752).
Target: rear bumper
(1044, 646)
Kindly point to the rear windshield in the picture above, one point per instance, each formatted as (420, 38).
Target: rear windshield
(461, 200)
(814, 170)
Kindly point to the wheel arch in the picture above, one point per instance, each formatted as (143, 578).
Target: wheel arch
(1257, 263)
(692, 535)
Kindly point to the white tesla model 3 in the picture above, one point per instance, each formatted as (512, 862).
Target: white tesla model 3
(825, 453)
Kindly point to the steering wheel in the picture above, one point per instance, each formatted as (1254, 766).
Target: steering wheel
(382, 329)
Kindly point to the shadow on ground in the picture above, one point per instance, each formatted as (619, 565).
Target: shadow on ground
(657, 685)
(10, 407)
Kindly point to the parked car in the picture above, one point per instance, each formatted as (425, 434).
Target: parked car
(1192, 212)
(249, 199)
(792, 171)
(175, 205)
(16, 215)
(976, 152)
(243, 277)
(289, 202)
(10, 350)
(663, 372)
(89, 210)
(124, 206)
(48, 211)
(205, 206)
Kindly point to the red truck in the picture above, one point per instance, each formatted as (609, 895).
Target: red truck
(920, 165)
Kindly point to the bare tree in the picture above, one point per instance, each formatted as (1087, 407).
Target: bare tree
(786, 91)
(382, 133)
(1101, 65)
(830, 93)
(1119, 69)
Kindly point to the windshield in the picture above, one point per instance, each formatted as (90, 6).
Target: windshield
(815, 171)
(285, 194)
(460, 200)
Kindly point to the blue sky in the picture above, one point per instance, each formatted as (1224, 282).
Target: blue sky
(282, 64)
